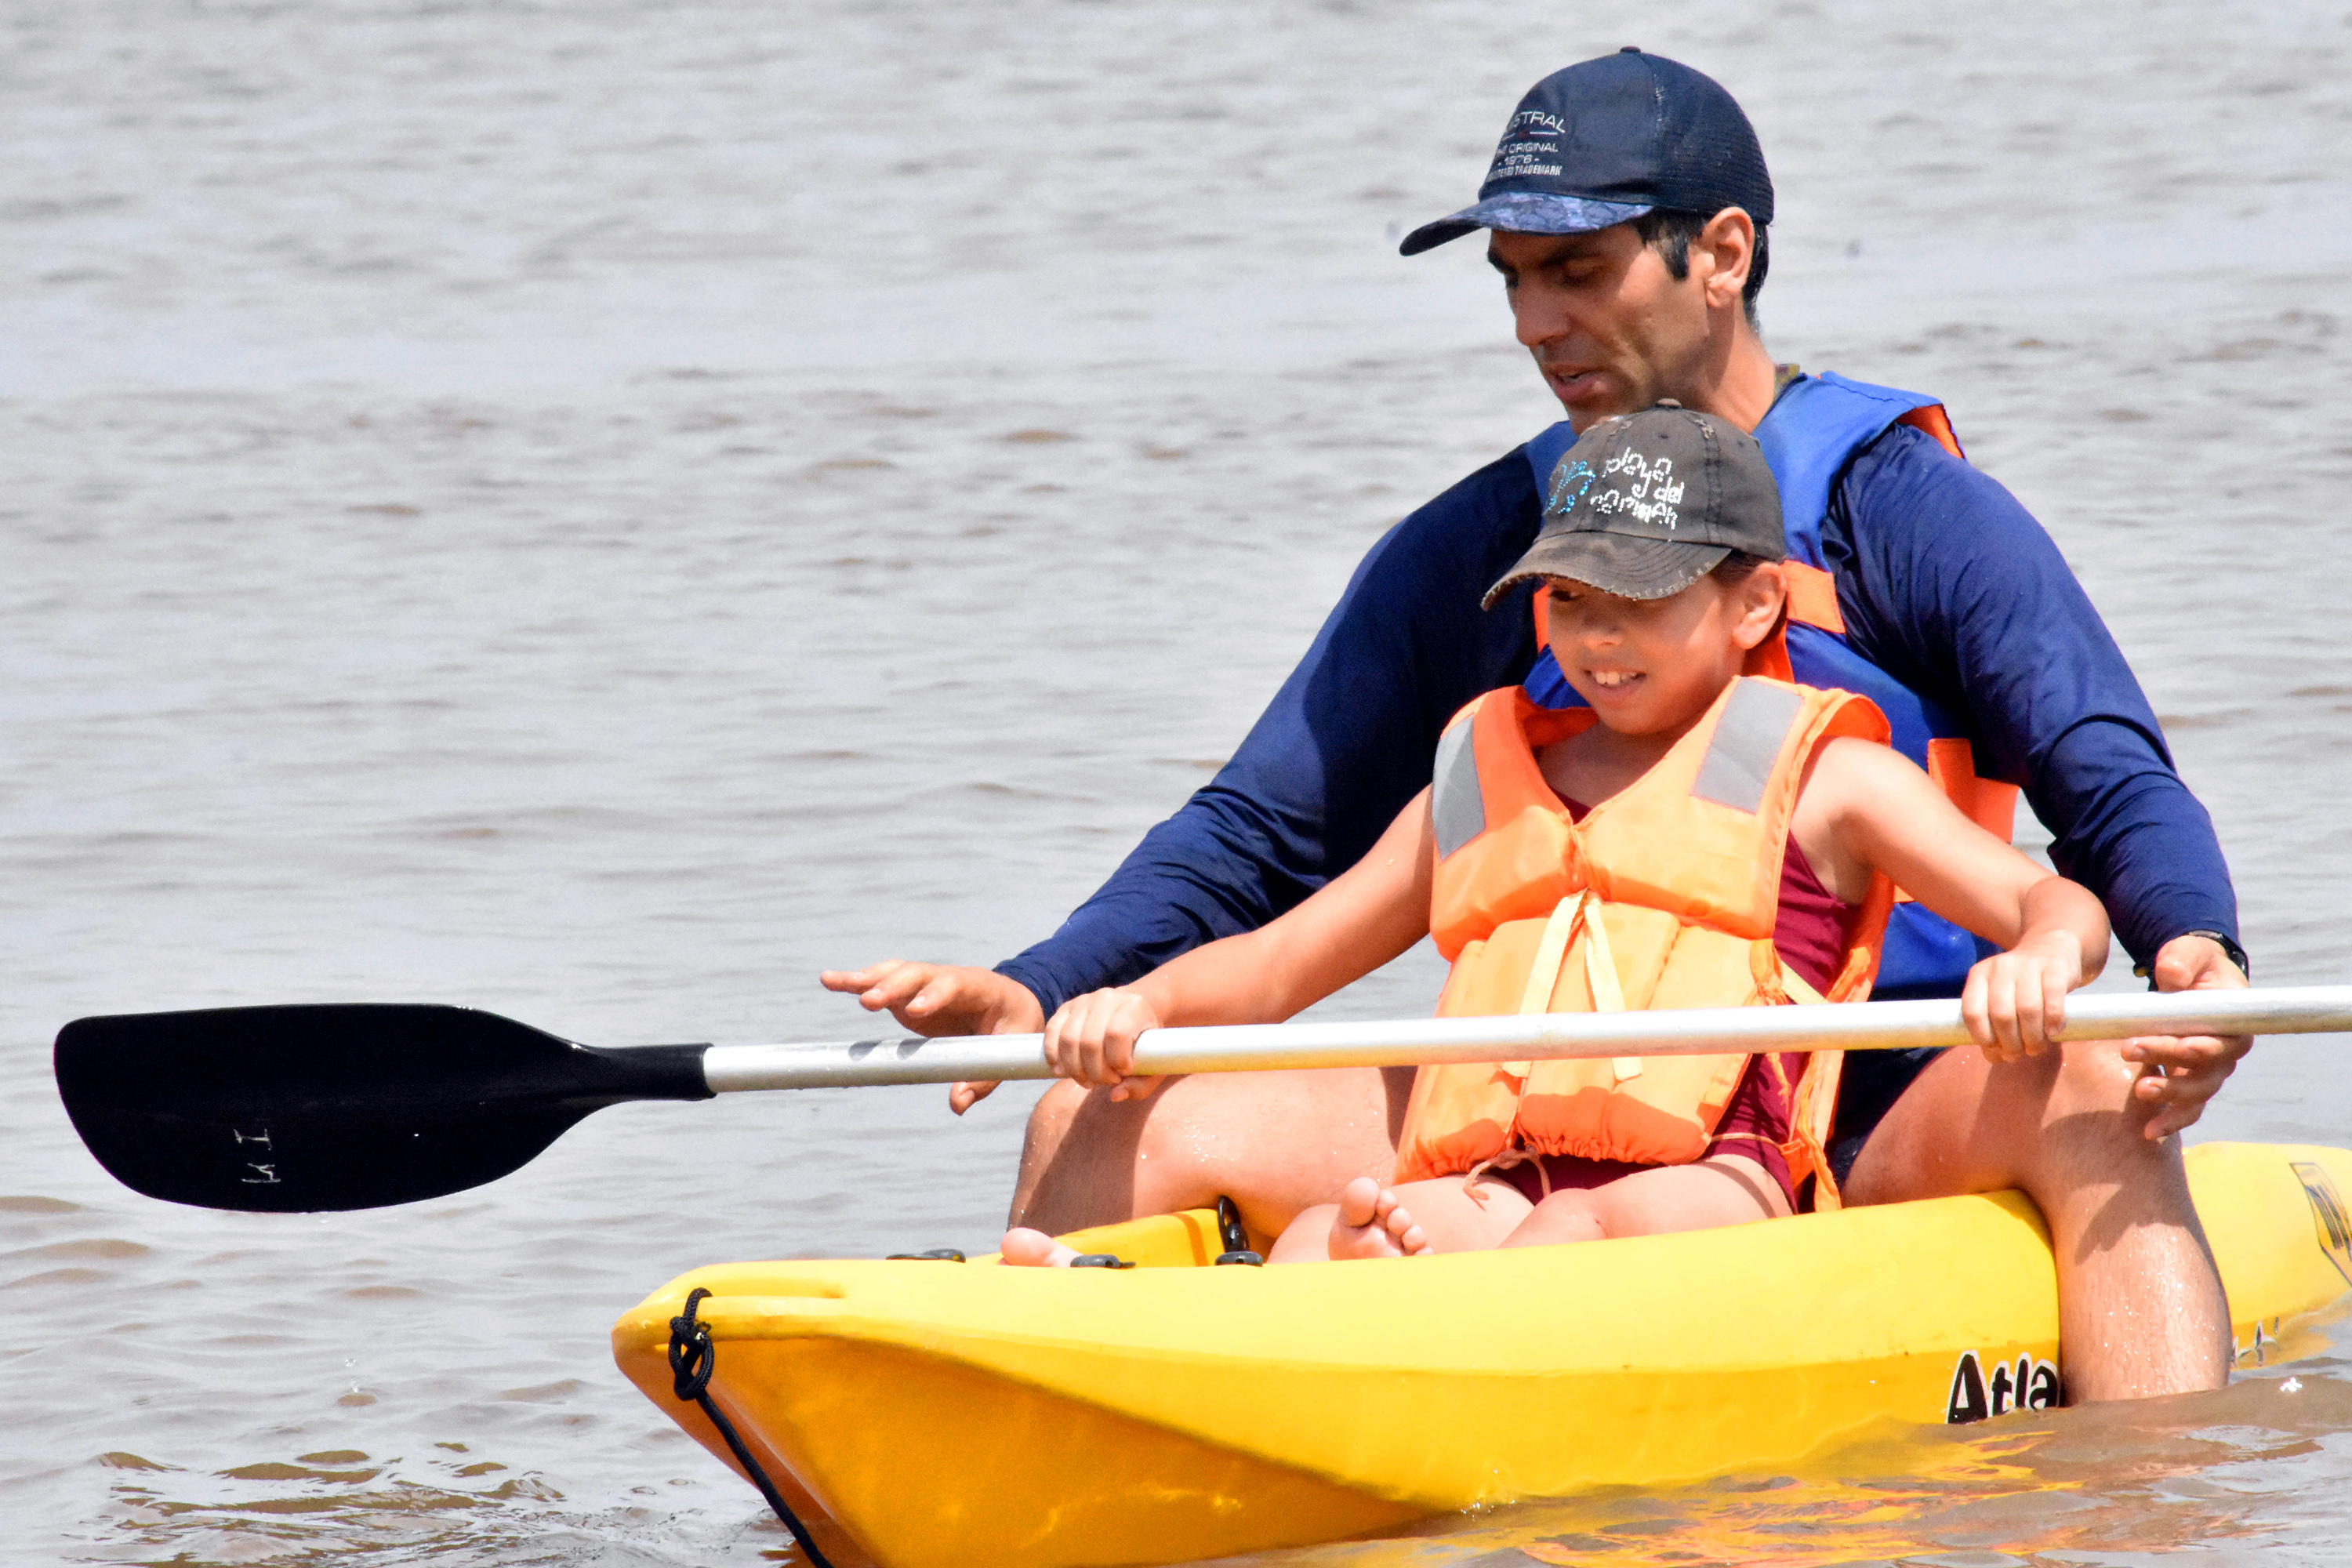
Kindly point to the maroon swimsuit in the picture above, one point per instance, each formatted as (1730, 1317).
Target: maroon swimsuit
(1811, 935)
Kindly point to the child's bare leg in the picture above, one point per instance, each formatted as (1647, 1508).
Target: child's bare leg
(1563, 1216)
(1372, 1221)
(1305, 1239)
(1724, 1189)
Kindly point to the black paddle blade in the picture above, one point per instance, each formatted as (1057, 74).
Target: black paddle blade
(289, 1110)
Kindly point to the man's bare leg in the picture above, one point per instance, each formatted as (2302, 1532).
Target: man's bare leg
(1274, 1142)
(2140, 1306)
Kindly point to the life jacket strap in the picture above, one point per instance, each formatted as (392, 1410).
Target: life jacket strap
(1931, 418)
(1511, 1155)
(1812, 597)
(1765, 968)
(1812, 1105)
(1578, 912)
(1551, 951)
(1988, 802)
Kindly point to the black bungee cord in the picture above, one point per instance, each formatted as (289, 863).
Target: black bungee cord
(691, 1358)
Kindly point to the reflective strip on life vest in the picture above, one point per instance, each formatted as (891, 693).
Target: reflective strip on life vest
(1457, 806)
(1747, 743)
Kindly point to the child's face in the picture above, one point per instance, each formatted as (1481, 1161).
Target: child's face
(1651, 666)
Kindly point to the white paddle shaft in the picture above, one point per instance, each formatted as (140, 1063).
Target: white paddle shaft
(1529, 1037)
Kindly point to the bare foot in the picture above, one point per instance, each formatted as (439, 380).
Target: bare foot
(1027, 1249)
(1373, 1224)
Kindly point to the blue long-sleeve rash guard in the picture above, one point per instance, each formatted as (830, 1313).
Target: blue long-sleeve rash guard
(1945, 581)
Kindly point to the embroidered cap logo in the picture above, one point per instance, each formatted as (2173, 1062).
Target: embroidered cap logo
(1529, 148)
(1647, 491)
(1560, 502)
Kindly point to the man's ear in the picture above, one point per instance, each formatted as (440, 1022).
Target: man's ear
(1758, 600)
(1721, 256)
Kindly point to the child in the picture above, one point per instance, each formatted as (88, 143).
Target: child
(1702, 835)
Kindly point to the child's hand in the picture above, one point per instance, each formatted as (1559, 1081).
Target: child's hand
(935, 999)
(1092, 1041)
(2015, 1002)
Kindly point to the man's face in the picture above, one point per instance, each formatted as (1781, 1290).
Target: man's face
(1611, 331)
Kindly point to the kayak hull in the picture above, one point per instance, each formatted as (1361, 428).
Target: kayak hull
(929, 1414)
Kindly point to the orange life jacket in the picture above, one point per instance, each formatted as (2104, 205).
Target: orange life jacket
(1665, 895)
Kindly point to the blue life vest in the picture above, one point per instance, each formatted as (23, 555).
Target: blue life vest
(1813, 432)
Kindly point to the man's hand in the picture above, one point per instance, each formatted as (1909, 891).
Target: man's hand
(934, 999)
(2180, 1075)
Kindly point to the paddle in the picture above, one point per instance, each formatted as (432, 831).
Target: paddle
(285, 1110)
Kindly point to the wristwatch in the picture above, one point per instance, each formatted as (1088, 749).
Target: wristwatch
(2221, 939)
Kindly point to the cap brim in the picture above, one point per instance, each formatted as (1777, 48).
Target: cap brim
(1524, 211)
(1619, 563)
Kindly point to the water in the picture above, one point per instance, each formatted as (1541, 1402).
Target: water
(598, 511)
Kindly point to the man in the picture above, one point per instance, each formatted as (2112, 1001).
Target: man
(1626, 211)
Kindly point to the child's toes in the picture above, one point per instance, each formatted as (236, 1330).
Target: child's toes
(1027, 1249)
(1371, 1239)
(1360, 1200)
(1409, 1238)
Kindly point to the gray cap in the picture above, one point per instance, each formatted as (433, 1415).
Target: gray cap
(1645, 504)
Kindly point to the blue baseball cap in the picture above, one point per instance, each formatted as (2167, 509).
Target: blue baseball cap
(1603, 142)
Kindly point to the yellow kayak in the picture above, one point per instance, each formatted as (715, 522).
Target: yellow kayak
(926, 1414)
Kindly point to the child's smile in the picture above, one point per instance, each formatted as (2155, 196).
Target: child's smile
(1647, 666)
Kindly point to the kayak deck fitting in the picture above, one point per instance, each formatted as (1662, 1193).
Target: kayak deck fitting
(919, 1412)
